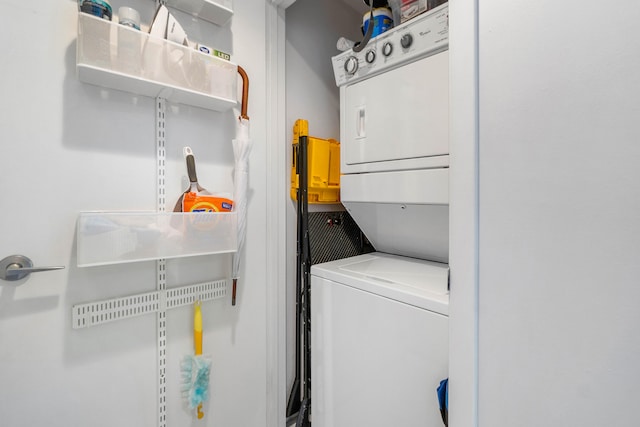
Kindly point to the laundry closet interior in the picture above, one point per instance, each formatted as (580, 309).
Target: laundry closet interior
(276, 213)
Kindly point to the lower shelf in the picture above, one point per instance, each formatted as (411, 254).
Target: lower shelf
(120, 237)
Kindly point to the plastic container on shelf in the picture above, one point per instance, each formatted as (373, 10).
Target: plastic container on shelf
(129, 17)
(323, 165)
(160, 67)
(129, 42)
(404, 10)
(382, 21)
(100, 8)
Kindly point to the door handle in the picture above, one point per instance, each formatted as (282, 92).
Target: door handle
(360, 123)
(16, 267)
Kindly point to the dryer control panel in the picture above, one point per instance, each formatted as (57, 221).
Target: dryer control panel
(422, 36)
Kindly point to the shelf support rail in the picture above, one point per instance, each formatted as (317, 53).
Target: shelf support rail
(109, 310)
(161, 265)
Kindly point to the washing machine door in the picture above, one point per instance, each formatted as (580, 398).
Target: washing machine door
(400, 115)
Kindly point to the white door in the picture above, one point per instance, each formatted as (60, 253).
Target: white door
(68, 147)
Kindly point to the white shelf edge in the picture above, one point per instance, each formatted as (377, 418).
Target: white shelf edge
(139, 86)
(100, 264)
(207, 10)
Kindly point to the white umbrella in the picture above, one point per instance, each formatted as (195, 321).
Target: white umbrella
(241, 150)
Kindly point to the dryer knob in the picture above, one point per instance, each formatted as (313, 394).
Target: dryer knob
(406, 40)
(351, 65)
(370, 56)
(387, 48)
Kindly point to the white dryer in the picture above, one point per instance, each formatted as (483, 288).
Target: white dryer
(394, 137)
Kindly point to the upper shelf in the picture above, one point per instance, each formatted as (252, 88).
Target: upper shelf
(217, 11)
(119, 57)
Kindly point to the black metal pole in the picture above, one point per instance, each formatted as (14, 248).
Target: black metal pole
(295, 400)
(303, 414)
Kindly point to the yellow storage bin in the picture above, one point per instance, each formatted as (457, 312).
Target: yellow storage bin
(323, 164)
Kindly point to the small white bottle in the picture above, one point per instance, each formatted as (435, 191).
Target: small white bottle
(129, 41)
(344, 44)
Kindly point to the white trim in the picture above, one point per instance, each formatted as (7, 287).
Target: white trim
(463, 255)
(276, 217)
(282, 3)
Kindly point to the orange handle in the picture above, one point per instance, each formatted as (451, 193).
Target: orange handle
(245, 93)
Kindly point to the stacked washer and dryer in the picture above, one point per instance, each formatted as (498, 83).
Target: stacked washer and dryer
(379, 322)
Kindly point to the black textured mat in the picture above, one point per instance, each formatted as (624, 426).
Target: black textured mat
(335, 235)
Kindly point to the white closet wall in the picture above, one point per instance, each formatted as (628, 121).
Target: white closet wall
(559, 200)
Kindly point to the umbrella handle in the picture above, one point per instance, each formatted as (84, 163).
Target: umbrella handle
(245, 92)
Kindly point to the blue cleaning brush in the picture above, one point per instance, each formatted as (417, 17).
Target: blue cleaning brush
(195, 369)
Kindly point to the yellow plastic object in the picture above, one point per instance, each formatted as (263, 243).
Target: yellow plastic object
(197, 340)
(323, 167)
(197, 329)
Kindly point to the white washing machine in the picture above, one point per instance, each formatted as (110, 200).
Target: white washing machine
(379, 322)
(379, 339)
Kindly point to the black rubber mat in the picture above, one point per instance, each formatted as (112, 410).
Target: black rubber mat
(335, 235)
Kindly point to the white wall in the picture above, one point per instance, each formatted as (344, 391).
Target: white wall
(559, 202)
(312, 30)
(463, 213)
(70, 147)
